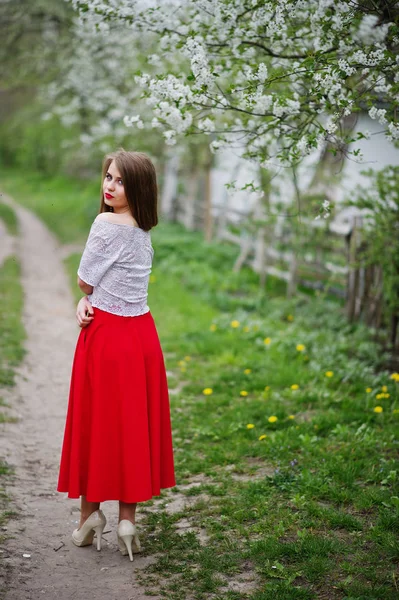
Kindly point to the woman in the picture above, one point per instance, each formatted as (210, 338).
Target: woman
(117, 440)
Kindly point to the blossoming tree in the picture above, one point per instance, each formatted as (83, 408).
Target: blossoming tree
(96, 87)
(276, 77)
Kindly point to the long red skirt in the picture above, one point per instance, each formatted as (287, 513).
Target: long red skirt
(117, 440)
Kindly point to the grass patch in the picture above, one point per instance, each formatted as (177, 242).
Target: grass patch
(304, 482)
(6, 472)
(67, 206)
(8, 216)
(12, 336)
(12, 333)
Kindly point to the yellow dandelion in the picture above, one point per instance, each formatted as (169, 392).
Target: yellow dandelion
(267, 388)
(152, 278)
(246, 328)
(267, 341)
(243, 393)
(183, 369)
(247, 371)
(369, 389)
(213, 327)
(187, 358)
(295, 386)
(250, 426)
(387, 395)
(181, 363)
(272, 419)
(395, 411)
(262, 437)
(379, 396)
(235, 324)
(394, 376)
(329, 373)
(378, 409)
(290, 318)
(384, 388)
(300, 347)
(207, 391)
(291, 416)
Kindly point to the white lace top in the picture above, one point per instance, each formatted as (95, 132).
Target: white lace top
(117, 262)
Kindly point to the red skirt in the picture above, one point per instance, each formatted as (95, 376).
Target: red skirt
(117, 440)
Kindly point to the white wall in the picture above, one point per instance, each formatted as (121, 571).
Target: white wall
(377, 153)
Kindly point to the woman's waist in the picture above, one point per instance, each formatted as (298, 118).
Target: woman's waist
(121, 295)
(101, 313)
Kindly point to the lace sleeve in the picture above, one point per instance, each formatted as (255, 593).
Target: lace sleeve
(98, 256)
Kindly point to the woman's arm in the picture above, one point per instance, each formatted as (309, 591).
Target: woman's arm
(85, 287)
(100, 253)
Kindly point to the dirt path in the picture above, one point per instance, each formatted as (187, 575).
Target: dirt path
(55, 568)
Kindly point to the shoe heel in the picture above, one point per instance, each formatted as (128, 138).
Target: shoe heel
(126, 535)
(99, 532)
(127, 539)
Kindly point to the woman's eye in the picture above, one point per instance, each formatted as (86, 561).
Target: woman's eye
(120, 181)
(107, 176)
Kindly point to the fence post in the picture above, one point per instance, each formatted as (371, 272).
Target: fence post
(169, 191)
(352, 278)
(260, 255)
(208, 218)
(191, 200)
(292, 277)
(246, 245)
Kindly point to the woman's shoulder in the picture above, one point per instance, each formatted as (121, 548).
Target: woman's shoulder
(109, 217)
(105, 216)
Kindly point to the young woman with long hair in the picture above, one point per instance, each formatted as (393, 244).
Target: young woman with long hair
(117, 441)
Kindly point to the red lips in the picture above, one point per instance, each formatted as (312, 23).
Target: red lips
(108, 196)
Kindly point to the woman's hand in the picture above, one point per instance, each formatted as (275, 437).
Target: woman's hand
(84, 307)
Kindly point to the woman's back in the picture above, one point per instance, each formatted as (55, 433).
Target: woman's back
(117, 262)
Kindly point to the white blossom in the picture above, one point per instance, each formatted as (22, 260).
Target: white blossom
(368, 30)
(262, 72)
(378, 113)
(393, 129)
(170, 137)
(206, 125)
(129, 121)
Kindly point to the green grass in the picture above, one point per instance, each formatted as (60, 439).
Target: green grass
(8, 216)
(309, 511)
(324, 521)
(6, 472)
(66, 205)
(12, 333)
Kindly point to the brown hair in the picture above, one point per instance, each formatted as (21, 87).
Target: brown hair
(140, 183)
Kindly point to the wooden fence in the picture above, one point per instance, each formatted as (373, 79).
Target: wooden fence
(325, 255)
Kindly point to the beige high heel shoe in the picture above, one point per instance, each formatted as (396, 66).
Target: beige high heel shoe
(128, 539)
(93, 524)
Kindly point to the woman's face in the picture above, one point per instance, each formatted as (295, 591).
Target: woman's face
(114, 191)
